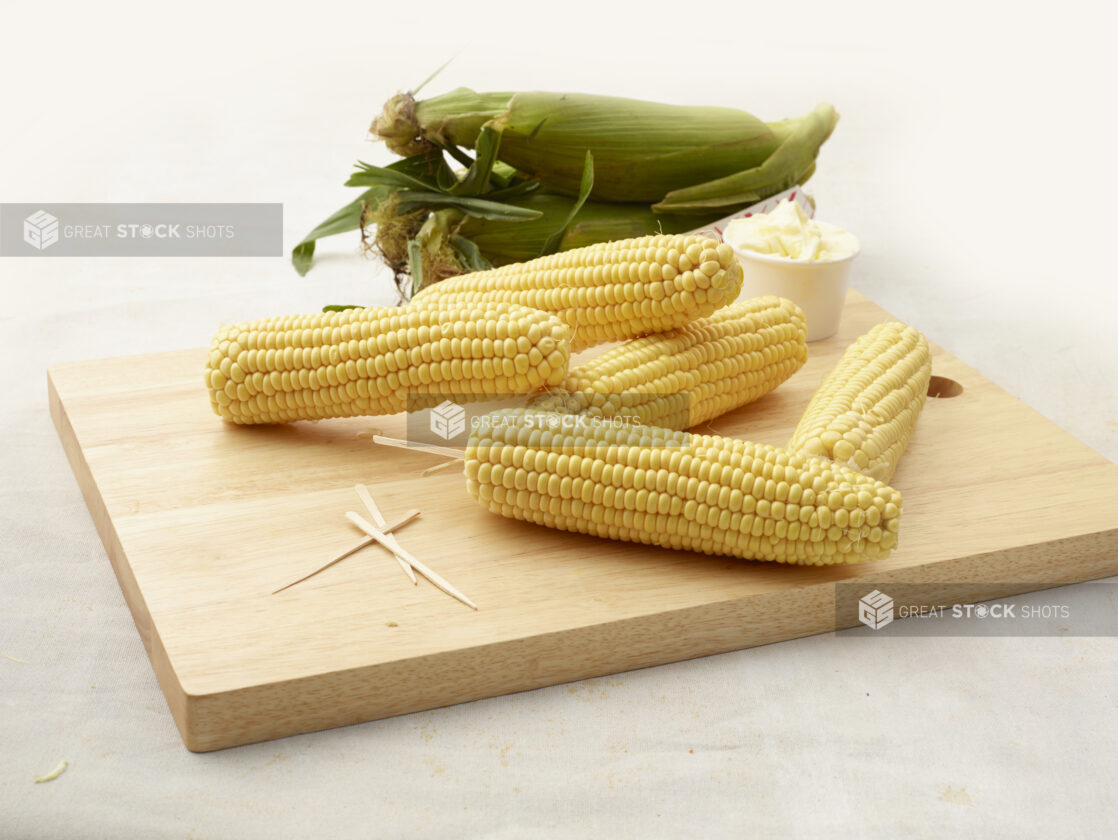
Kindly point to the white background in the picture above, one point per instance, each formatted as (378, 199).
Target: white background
(975, 161)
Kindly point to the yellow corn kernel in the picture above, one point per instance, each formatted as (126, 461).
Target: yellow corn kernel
(673, 489)
(865, 411)
(692, 374)
(381, 360)
(612, 291)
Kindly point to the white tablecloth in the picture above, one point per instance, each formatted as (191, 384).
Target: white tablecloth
(973, 160)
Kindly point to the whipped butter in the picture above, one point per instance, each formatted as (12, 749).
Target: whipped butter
(788, 232)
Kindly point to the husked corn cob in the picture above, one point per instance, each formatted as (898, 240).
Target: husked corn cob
(685, 491)
(865, 411)
(686, 376)
(611, 291)
(370, 361)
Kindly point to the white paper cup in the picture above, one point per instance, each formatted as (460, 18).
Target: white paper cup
(819, 288)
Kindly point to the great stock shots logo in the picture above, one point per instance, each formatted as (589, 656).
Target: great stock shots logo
(448, 420)
(875, 610)
(40, 230)
(46, 230)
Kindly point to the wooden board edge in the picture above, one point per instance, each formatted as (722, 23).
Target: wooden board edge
(137, 606)
(261, 713)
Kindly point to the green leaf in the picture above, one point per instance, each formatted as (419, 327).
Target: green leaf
(469, 254)
(447, 180)
(302, 256)
(341, 307)
(585, 186)
(425, 171)
(784, 168)
(454, 152)
(428, 166)
(476, 180)
(415, 265)
(503, 175)
(521, 188)
(346, 219)
(428, 80)
(717, 203)
(410, 200)
(382, 176)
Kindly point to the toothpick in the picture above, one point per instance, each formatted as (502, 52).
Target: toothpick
(374, 511)
(393, 544)
(395, 526)
(438, 467)
(422, 447)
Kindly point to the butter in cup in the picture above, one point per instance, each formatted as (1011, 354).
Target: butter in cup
(788, 254)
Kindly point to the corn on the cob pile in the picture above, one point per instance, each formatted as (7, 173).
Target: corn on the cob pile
(865, 411)
(370, 361)
(641, 168)
(611, 291)
(686, 376)
(677, 490)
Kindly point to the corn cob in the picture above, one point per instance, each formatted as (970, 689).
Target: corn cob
(692, 374)
(502, 241)
(642, 150)
(865, 411)
(678, 490)
(376, 361)
(611, 291)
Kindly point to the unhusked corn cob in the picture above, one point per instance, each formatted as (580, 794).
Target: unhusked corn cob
(865, 411)
(686, 376)
(678, 490)
(372, 361)
(611, 291)
(642, 150)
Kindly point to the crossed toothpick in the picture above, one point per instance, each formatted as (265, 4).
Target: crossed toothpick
(380, 531)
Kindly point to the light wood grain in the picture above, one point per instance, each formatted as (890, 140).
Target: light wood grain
(201, 520)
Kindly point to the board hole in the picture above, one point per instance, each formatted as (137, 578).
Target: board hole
(942, 388)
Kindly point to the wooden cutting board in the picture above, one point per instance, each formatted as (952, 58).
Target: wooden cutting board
(202, 520)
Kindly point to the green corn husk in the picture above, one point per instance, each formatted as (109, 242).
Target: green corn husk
(552, 172)
(502, 242)
(642, 150)
(410, 127)
(450, 242)
(792, 163)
